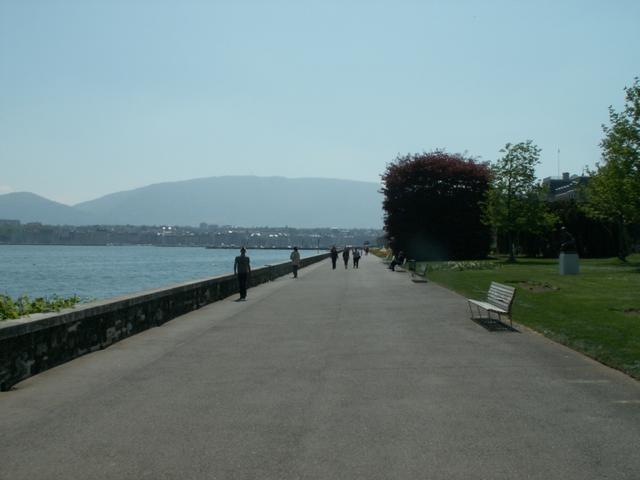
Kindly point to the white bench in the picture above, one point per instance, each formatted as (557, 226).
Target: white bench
(420, 276)
(499, 300)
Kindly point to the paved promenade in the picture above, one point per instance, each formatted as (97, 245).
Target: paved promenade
(356, 374)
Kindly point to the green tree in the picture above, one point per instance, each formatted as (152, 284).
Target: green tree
(613, 192)
(515, 202)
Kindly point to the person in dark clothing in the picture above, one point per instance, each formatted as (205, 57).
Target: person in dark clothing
(356, 257)
(295, 261)
(345, 257)
(334, 256)
(242, 269)
(397, 260)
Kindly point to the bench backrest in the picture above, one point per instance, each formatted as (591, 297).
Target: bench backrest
(501, 295)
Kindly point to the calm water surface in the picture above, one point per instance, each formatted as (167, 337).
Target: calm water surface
(103, 272)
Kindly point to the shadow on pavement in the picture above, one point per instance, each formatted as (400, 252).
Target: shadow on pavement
(493, 325)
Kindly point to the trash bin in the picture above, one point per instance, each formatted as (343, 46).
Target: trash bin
(411, 265)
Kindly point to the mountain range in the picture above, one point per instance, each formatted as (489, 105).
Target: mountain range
(230, 200)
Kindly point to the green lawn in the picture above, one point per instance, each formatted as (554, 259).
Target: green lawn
(596, 312)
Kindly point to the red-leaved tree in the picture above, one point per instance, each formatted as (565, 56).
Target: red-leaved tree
(432, 204)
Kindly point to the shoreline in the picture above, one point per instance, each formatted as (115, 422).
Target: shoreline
(207, 247)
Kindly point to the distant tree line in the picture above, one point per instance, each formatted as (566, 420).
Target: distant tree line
(449, 206)
(205, 235)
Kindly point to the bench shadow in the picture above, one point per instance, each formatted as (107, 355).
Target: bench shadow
(493, 325)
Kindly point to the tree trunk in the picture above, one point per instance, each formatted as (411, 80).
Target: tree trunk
(512, 257)
(623, 251)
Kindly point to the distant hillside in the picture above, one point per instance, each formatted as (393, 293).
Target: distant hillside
(244, 200)
(29, 207)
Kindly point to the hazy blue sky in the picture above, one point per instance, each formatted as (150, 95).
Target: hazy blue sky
(102, 96)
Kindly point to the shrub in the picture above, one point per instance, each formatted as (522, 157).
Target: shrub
(432, 206)
(10, 308)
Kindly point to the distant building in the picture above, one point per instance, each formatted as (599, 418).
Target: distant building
(564, 188)
(11, 223)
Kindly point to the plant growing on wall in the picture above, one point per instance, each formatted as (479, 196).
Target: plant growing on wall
(10, 308)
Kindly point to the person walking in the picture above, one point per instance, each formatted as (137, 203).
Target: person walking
(345, 257)
(242, 269)
(295, 261)
(356, 257)
(334, 256)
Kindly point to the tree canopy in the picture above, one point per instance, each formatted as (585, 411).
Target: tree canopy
(432, 206)
(515, 203)
(613, 193)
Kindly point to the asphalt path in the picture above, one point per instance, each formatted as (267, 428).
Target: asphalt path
(345, 374)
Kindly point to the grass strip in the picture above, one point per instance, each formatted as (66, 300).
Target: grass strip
(596, 312)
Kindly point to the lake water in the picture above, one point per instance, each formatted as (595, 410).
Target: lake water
(103, 272)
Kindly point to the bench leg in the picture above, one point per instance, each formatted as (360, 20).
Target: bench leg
(510, 319)
(488, 314)
(471, 310)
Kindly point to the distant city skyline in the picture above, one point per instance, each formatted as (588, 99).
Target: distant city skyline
(99, 96)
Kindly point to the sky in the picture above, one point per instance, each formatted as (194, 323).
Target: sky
(104, 96)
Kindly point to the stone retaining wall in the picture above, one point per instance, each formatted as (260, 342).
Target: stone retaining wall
(36, 343)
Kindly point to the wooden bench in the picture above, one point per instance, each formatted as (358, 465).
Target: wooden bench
(499, 300)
